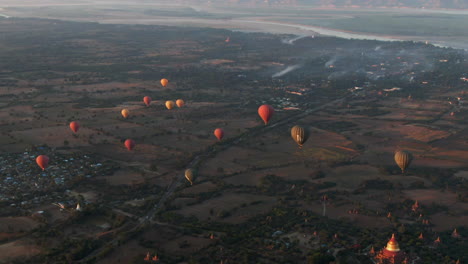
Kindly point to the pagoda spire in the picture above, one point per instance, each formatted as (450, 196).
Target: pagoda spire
(421, 236)
(455, 234)
(372, 251)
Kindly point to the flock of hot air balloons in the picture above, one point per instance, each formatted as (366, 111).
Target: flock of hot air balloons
(299, 134)
(43, 160)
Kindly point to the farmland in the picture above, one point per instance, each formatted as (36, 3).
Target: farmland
(256, 196)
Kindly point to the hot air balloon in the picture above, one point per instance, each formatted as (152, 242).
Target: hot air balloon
(129, 144)
(403, 159)
(147, 100)
(180, 103)
(189, 175)
(164, 82)
(266, 112)
(169, 104)
(42, 161)
(74, 126)
(300, 135)
(219, 133)
(125, 113)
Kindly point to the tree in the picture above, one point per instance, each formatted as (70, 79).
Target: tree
(319, 258)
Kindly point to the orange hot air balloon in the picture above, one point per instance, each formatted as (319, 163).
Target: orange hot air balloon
(74, 126)
(219, 133)
(164, 82)
(147, 100)
(129, 144)
(169, 104)
(180, 102)
(125, 113)
(42, 161)
(266, 112)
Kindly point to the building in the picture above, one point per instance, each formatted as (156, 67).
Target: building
(391, 254)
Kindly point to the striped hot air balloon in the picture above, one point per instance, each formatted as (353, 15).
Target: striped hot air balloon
(299, 134)
(403, 159)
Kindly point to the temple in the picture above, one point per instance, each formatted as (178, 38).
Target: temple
(391, 254)
(415, 206)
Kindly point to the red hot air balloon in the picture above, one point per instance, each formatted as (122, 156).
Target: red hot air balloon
(74, 126)
(147, 100)
(129, 144)
(266, 112)
(42, 161)
(219, 133)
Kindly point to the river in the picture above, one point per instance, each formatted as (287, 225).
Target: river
(276, 27)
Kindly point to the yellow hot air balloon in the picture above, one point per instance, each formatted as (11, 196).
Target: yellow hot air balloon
(180, 103)
(125, 113)
(403, 159)
(169, 104)
(189, 175)
(164, 82)
(299, 134)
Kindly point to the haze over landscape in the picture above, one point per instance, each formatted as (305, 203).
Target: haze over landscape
(234, 131)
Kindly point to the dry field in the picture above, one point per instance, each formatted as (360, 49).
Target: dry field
(18, 249)
(17, 224)
(126, 254)
(124, 177)
(444, 222)
(227, 202)
(200, 188)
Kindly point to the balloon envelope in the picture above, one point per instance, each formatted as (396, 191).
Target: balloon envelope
(129, 144)
(219, 133)
(74, 126)
(164, 82)
(403, 159)
(125, 113)
(42, 161)
(180, 103)
(189, 175)
(299, 134)
(169, 104)
(147, 100)
(266, 112)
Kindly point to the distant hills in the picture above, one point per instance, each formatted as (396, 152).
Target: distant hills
(453, 4)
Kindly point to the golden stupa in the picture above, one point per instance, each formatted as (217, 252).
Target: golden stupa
(392, 245)
(391, 254)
